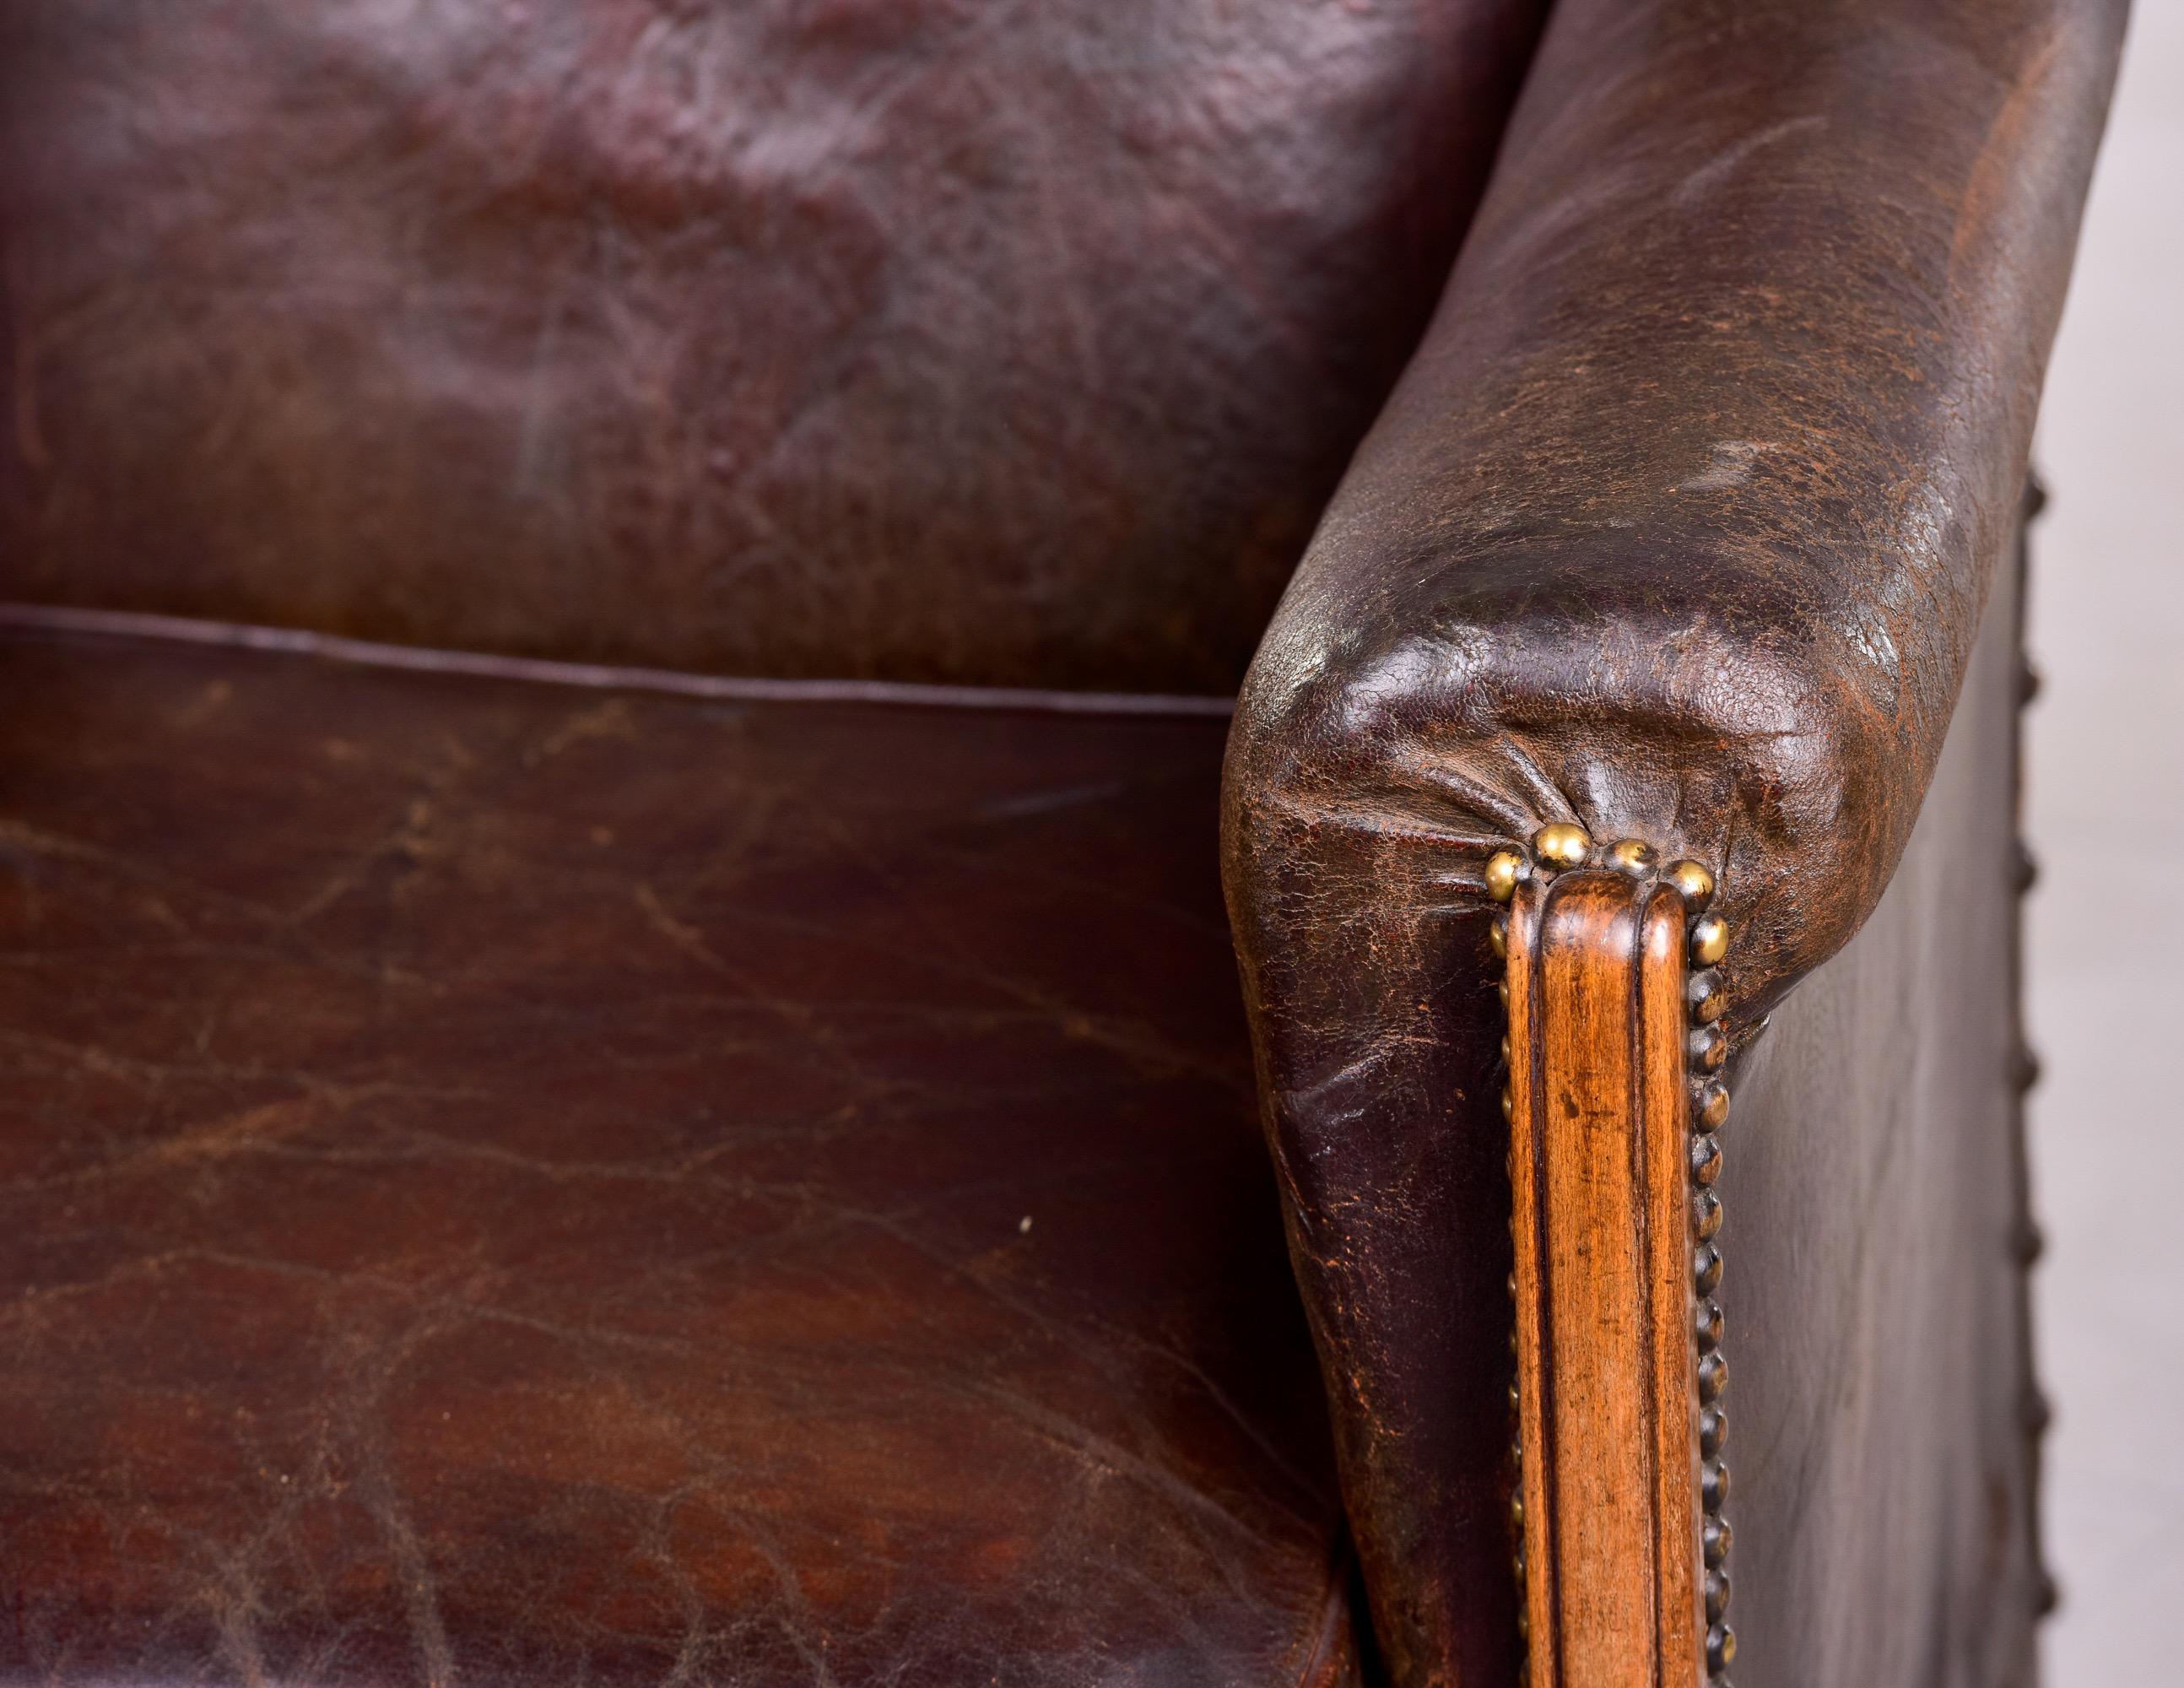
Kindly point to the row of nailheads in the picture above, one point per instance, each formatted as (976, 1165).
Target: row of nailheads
(1563, 846)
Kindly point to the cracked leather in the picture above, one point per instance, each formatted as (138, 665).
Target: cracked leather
(1678, 526)
(513, 1184)
(927, 339)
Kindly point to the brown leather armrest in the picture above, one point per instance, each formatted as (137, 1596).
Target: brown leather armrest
(1679, 527)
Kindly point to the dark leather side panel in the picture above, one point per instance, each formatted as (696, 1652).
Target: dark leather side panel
(1880, 1397)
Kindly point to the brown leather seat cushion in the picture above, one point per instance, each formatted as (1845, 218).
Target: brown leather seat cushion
(506, 1182)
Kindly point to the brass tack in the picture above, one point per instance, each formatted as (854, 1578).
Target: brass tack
(1709, 940)
(1715, 1537)
(1706, 1267)
(1562, 843)
(1508, 1104)
(2024, 1068)
(1713, 1486)
(1505, 1049)
(1710, 1104)
(1693, 880)
(1706, 1215)
(1709, 999)
(1707, 1325)
(1513, 1286)
(1706, 1159)
(1517, 1511)
(1513, 1398)
(1504, 868)
(1497, 936)
(1710, 1049)
(1524, 1627)
(1714, 1432)
(1634, 856)
(1502, 989)
(1721, 1648)
(1717, 1596)
(1713, 1378)
(2047, 1595)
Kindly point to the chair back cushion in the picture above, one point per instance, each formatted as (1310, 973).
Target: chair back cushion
(991, 340)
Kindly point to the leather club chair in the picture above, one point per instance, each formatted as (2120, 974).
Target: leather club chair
(625, 1055)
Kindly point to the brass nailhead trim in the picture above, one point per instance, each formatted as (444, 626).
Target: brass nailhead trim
(1563, 846)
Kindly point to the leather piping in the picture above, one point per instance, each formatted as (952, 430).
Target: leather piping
(115, 624)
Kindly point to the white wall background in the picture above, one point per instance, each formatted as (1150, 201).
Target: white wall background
(2106, 819)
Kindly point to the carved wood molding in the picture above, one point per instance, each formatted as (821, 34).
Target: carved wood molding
(1621, 1548)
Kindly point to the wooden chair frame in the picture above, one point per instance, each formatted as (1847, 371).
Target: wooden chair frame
(1621, 1545)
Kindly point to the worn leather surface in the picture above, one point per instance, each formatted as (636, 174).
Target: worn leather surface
(503, 1183)
(1880, 1405)
(1679, 525)
(932, 339)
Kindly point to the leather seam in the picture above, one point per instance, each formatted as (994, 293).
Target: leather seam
(20, 618)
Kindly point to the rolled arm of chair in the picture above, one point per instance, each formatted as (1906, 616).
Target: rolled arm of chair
(1677, 532)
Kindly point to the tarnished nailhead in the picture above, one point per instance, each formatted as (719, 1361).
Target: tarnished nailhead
(1708, 1053)
(1693, 879)
(1710, 1104)
(1634, 856)
(1563, 844)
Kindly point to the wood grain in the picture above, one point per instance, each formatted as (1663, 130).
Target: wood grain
(1606, 1374)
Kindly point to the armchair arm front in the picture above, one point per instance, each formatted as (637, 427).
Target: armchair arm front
(1679, 529)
